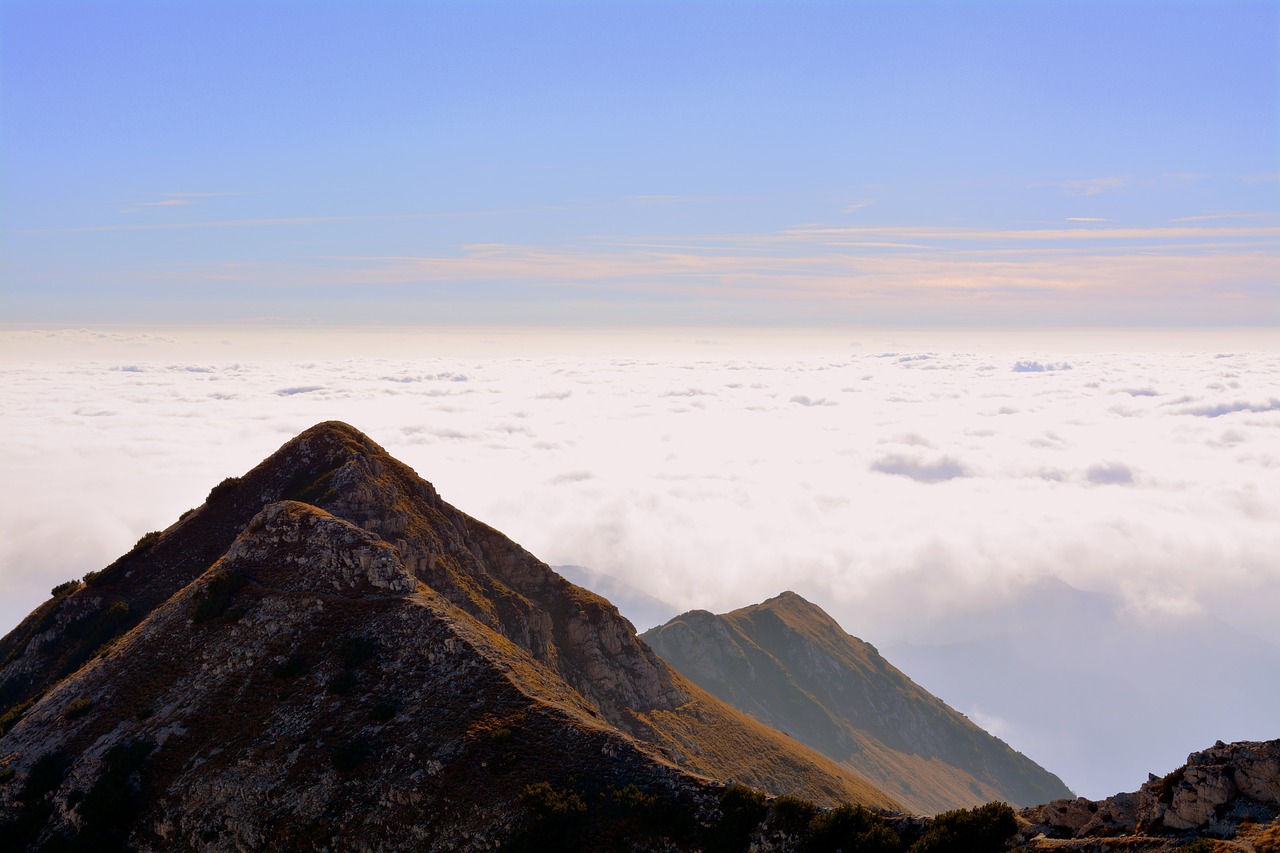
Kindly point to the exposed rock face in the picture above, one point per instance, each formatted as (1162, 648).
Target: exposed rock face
(327, 655)
(1228, 791)
(787, 663)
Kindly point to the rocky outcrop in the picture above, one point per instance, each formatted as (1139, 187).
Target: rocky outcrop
(1227, 791)
(790, 665)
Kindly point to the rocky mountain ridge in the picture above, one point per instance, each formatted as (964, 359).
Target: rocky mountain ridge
(790, 665)
(326, 654)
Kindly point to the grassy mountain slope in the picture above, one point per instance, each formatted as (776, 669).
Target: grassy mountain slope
(790, 665)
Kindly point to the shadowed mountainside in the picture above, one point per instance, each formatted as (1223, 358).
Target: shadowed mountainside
(325, 651)
(790, 665)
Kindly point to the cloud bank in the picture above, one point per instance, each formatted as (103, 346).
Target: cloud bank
(904, 494)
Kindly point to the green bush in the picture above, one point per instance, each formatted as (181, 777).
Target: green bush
(983, 829)
(742, 809)
(65, 588)
(547, 804)
(147, 540)
(631, 807)
(14, 713)
(792, 814)
(6, 773)
(77, 708)
(217, 595)
(850, 828)
(223, 489)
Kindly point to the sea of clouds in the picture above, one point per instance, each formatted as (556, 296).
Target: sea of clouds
(923, 495)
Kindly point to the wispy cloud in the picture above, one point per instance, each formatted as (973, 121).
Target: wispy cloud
(1036, 273)
(182, 199)
(839, 262)
(1092, 186)
(1249, 214)
(220, 223)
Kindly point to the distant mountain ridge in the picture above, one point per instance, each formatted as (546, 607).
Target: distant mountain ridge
(790, 665)
(643, 610)
(326, 653)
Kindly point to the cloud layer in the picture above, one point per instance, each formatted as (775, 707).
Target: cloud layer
(904, 489)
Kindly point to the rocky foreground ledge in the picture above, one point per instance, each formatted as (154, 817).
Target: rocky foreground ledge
(1229, 792)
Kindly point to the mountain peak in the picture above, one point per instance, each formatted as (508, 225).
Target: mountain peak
(260, 644)
(789, 664)
(333, 439)
(793, 601)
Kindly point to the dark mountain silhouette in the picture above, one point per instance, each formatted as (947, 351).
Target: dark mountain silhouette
(326, 654)
(790, 665)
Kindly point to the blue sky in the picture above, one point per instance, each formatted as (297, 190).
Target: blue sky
(901, 163)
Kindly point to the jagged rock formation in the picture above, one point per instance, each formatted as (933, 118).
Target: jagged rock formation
(790, 665)
(1229, 791)
(326, 654)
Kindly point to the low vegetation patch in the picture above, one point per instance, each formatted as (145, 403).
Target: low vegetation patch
(105, 575)
(14, 713)
(984, 828)
(77, 708)
(852, 828)
(223, 490)
(612, 818)
(550, 806)
(217, 596)
(742, 809)
(147, 541)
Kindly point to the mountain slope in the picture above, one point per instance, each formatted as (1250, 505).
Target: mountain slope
(326, 638)
(789, 664)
